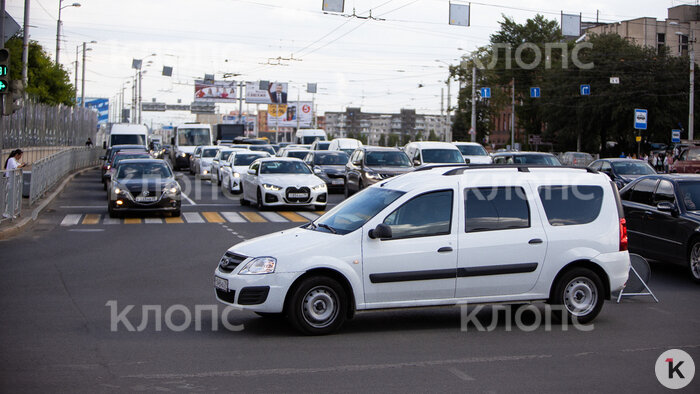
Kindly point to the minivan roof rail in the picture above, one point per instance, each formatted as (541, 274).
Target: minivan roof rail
(520, 167)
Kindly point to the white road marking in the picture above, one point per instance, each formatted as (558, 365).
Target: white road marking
(111, 221)
(153, 221)
(273, 217)
(71, 219)
(87, 230)
(193, 217)
(456, 372)
(188, 199)
(233, 217)
(309, 215)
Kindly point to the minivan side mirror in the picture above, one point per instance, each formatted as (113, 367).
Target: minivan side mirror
(251, 171)
(382, 231)
(667, 206)
(416, 162)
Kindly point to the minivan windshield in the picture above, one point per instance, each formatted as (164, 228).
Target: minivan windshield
(127, 139)
(193, 136)
(353, 213)
(442, 156)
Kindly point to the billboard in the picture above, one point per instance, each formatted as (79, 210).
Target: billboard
(101, 106)
(214, 91)
(276, 93)
(288, 115)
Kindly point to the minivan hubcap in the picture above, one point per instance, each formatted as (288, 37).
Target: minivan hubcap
(320, 306)
(695, 261)
(580, 296)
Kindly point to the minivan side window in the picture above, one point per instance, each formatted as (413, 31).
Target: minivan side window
(426, 215)
(642, 191)
(495, 208)
(572, 204)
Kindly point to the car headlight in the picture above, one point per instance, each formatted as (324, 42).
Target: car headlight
(236, 175)
(259, 266)
(183, 154)
(273, 188)
(119, 191)
(318, 188)
(374, 175)
(172, 188)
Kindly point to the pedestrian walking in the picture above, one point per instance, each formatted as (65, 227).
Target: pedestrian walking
(88, 143)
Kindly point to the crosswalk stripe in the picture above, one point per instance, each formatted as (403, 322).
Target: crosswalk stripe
(308, 215)
(174, 219)
(132, 221)
(92, 218)
(273, 217)
(213, 217)
(108, 220)
(233, 217)
(71, 219)
(253, 217)
(153, 221)
(293, 217)
(320, 213)
(193, 217)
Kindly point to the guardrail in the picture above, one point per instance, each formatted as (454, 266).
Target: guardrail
(10, 194)
(49, 171)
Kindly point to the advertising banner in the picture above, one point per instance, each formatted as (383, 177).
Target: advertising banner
(101, 106)
(214, 91)
(276, 93)
(286, 115)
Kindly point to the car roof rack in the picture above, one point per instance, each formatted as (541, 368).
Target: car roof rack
(520, 167)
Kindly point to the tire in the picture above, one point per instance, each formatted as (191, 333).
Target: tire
(268, 315)
(694, 260)
(218, 179)
(317, 306)
(260, 204)
(244, 202)
(177, 213)
(581, 292)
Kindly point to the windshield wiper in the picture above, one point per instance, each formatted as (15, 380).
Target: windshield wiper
(327, 227)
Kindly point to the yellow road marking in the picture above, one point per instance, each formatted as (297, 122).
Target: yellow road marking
(293, 217)
(213, 217)
(132, 220)
(253, 217)
(92, 219)
(174, 220)
(320, 213)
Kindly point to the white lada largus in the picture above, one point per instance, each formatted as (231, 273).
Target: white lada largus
(441, 236)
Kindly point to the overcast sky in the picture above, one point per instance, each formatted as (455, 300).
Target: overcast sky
(377, 65)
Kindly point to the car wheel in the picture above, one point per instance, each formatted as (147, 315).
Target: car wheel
(319, 207)
(177, 213)
(244, 202)
(317, 306)
(694, 260)
(581, 293)
(259, 201)
(346, 190)
(218, 179)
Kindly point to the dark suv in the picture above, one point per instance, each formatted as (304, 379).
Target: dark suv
(371, 164)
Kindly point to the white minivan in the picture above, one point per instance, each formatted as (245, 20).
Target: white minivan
(347, 145)
(424, 153)
(127, 134)
(308, 136)
(440, 236)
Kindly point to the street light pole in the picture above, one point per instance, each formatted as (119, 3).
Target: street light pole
(59, 25)
(77, 48)
(82, 88)
(691, 109)
(473, 130)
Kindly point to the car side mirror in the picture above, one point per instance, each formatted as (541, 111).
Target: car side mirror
(382, 231)
(667, 206)
(416, 162)
(357, 163)
(251, 171)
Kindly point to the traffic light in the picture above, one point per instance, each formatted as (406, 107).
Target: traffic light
(4, 71)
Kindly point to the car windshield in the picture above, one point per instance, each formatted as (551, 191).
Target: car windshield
(193, 137)
(331, 159)
(128, 139)
(535, 159)
(310, 139)
(225, 154)
(209, 153)
(387, 159)
(297, 154)
(472, 150)
(143, 170)
(322, 145)
(263, 148)
(244, 159)
(114, 151)
(690, 195)
(442, 156)
(284, 167)
(353, 213)
(119, 158)
(632, 168)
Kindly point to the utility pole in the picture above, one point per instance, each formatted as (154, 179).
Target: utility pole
(473, 130)
(240, 104)
(82, 87)
(296, 112)
(2, 24)
(77, 47)
(138, 109)
(512, 119)
(443, 124)
(25, 46)
(448, 133)
(691, 109)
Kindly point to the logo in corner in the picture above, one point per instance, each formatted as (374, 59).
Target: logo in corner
(675, 369)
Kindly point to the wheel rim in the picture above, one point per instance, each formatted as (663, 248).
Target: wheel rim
(580, 296)
(695, 260)
(320, 307)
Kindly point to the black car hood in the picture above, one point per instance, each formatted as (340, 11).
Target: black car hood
(136, 186)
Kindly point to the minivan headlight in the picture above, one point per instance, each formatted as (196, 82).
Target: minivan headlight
(274, 188)
(259, 266)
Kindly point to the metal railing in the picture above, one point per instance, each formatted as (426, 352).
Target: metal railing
(47, 172)
(10, 194)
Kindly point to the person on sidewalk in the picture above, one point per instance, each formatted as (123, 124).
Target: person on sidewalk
(88, 143)
(13, 161)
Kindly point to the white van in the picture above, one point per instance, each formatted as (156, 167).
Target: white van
(308, 136)
(428, 153)
(127, 134)
(187, 137)
(439, 237)
(473, 153)
(347, 145)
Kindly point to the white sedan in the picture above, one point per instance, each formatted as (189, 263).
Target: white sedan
(237, 164)
(276, 181)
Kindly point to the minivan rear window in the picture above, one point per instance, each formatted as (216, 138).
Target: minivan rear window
(572, 204)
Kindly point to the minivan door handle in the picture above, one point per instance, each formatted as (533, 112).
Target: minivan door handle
(445, 249)
(535, 241)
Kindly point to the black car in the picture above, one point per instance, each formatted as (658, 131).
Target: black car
(622, 171)
(109, 156)
(329, 166)
(370, 164)
(144, 185)
(663, 219)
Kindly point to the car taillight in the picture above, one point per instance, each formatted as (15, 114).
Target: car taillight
(108, 167)
(623, 235)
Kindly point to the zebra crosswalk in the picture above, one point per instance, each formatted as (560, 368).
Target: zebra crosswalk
(79, 219)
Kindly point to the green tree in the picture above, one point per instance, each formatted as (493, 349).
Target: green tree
(433, 136)
(47, 82)
(393, 140)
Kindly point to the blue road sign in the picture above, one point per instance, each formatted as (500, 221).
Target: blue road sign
(485, 92)
(640, 119)
(585, 90)
(675, 136)
(535, 92)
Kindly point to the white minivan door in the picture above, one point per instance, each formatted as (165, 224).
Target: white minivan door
(419, 261)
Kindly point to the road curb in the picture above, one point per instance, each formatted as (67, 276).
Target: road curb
(26, 221)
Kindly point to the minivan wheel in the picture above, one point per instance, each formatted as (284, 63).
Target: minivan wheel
(694, 261)
(317, 306)
(580, 291)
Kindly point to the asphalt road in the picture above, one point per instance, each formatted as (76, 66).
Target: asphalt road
(57, 279)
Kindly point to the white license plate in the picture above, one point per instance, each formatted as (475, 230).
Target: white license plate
(338, 181)
(146, 199)
(298, 195)
(221, 283)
